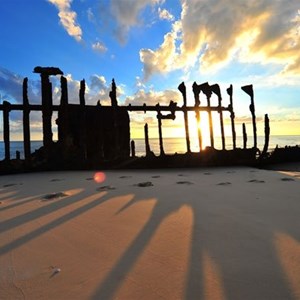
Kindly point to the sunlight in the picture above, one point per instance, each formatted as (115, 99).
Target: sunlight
(213, 286)
(288, 250)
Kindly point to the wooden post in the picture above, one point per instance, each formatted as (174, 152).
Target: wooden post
(147, 145)
(6, 110)
(82, 120)
(267, 135)
(46, 109)
(26, 118)
(216, 89)
(196, 91)
(232, 116)
(161, 146)
(248, 89)
(205, 88)
(182, 89)
(63, 112)
(244, 136)
(132, 148)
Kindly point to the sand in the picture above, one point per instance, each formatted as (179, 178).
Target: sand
(219, 233)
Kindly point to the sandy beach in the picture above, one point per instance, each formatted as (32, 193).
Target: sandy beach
(215, 233)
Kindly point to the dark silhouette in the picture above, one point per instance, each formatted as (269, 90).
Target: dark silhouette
(99, 136)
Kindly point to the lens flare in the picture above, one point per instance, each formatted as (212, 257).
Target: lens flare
(99, 177)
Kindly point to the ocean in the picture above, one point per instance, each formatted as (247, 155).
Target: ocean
(173, 145)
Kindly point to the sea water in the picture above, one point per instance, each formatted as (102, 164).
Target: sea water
(173, 145)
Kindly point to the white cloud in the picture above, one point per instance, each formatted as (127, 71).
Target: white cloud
(214, 32)
(165, 14)
(68, 18)
(99, 47)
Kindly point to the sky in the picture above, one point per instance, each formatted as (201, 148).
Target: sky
(149, 47)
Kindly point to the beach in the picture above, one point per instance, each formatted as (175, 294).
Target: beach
(203, 233)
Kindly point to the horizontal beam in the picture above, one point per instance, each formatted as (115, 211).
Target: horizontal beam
(145, 108)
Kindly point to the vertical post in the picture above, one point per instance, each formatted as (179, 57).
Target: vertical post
(26, 126)
(249, 90)
(83, 141)
(46, 109)
(244, 136)
(216, 89)
(132, 148)
(6, 110)
(232, 116)
(147, 145)
(196, 91)
(63, 111)
(205, 88)
(161, 146)
(182, 89)
(267, 135)
(114, 104)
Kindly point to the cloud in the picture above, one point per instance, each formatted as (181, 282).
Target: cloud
(99, 47)
(211, 35)
(127, 13)
(165, 14)
(164, 58)
(68, 18)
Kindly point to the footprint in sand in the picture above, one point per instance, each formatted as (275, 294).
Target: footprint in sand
(287, 179)
(56, 179)
(144, 184)
(230, 172)
(184, 182)
(53, 196)
(155, 176)
(182, 175)
(257, 181)
(125, 176)
(106, 188)
(224, 183)
(207, 173)
(12, 184)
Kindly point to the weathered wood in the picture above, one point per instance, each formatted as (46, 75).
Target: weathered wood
(82, 122)
(216, 89)
(161, 146)
(63, 113)
(267, 135)
(196, 91)
(132, 144)
(244, 136)
(6, 138)
(205, 88)
(248, 89)
(182, 89)
(232, 116)
(147, 145)
(26, 122)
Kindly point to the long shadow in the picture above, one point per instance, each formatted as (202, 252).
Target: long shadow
(126, 262)
(18, 203)
(243, 251)
(59, 221)
(39, 212)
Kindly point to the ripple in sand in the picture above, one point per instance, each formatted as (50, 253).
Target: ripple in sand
(224, 183)
(256, 181)
(53, 196)
(184, 182)
(106, 188)
(287, 179)
(144, 184)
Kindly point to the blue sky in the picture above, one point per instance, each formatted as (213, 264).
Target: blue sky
(150, 46)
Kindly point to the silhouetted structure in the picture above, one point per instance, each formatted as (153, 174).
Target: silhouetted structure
(99, 136)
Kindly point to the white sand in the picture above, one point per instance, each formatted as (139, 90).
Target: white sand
(234, 233)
